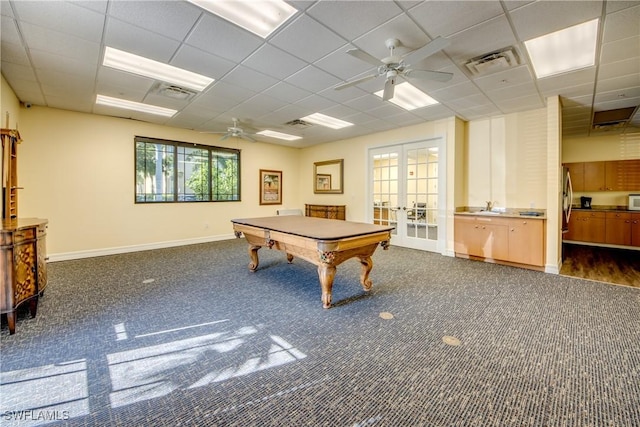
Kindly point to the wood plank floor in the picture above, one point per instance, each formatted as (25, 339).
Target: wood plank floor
(610, 265)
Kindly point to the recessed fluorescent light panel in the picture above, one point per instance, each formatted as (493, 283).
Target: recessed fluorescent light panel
(566, 50)
(409, 97)
(142, 66)
(131, 105)
(330, 122)
(279, 135)
(261, 17)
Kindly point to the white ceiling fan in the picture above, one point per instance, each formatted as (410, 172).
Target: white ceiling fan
(395, 65)
(236, 132)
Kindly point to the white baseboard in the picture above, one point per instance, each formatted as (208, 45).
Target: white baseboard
(66, 256)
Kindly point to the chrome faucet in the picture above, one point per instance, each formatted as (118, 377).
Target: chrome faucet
(489, 206)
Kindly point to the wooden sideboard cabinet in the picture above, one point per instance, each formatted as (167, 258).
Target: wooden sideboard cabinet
(326, 211)
(23, 265)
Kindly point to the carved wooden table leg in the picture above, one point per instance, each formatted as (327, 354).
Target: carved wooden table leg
(367, 265)
(33, 307)
(326, 273)
(253, 254)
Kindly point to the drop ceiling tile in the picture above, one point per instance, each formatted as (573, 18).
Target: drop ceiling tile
(433, 112)
(512, 76)
(313, 79)
(622, 24)
(621, 49)
(305, 38)
(544, 17)
(462, 90)
(14, 72)
(339, 63)
(567, 80)
(59, 43)
(492, 35)
(173, 19)
(351, 19)
(619, 83)
(222, 89)
(313, 103)
(615, 104)
(619, 69)
(65, 102)
(43, 60)
(403, 28)
(62, 17)
(257, 106)
(274, 62)
(360, 118)
(5, 9)
(363, 103)
(129, 38)
(9, 31)
(198, 61)
(343, 95)
(286, 92)
(618, 95)
(339, 111)
(520, 104)
(119, 84)
(514, 91)
(13, 53)
(217, 36)
(434, 15)
(250, 79)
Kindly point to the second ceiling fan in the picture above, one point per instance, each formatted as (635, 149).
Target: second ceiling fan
(395, 66)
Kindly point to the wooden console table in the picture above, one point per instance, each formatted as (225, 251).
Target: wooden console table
(326, 211)
(23, 265)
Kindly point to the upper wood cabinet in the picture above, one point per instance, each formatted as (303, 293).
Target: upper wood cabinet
(610, 175)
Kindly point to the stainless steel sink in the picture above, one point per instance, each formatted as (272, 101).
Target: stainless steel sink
(488, 213)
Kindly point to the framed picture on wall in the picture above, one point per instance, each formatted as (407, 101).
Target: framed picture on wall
(270, 187)
(323, 182)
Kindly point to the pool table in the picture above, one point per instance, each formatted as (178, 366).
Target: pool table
(323, 242)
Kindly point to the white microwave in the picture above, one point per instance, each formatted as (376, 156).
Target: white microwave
(634, 202)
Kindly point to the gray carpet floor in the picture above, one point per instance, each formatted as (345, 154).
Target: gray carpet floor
(189, 337)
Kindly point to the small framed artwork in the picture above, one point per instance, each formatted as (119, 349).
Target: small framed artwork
(270, 187)
(323, 182)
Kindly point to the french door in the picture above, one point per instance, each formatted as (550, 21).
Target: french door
(407, 192)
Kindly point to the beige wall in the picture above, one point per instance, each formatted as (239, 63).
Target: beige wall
(77, 171)
(10, 115)
(602, 147)
(505, 160)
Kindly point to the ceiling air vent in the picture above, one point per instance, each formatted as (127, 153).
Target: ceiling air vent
(173, 91)
(495, 61)
(298, 124)
(613, 119)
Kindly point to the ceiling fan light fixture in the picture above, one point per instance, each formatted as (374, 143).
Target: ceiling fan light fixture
(125, 61)
(565, 50)
(278, 135)
(328, 121)
(409, 97)
(259, 17)
(136, 106)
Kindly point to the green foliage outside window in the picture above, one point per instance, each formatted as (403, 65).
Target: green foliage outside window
(171, 171)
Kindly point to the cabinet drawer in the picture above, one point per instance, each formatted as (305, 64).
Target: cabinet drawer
(618, 215)
(17, 236)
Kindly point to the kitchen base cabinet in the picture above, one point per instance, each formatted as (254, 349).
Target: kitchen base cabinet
(505, 240)
(618, 228)
(23, 266)
(585, 226)
(526, 241)
(635, 229)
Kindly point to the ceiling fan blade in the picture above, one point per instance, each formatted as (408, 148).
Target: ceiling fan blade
(364, 56)
(427, 50)
(247, 137)
(438, 76)
(226, 135)
(389, 89)
(355, 82)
